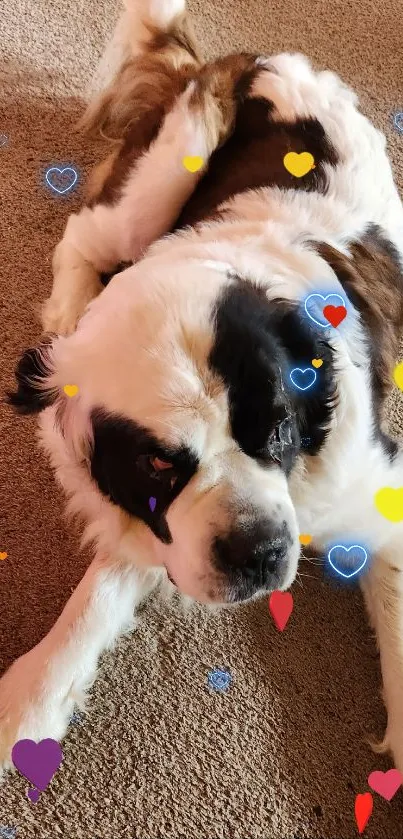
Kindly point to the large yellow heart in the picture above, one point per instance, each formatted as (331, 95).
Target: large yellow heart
(398, 375)
(70, 390)
(193, 164)
(389, 503)
(299, 164)
(317, 362)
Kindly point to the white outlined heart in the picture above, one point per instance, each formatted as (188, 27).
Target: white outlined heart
(61, 172)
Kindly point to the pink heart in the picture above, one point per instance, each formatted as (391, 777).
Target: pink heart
(385, 783)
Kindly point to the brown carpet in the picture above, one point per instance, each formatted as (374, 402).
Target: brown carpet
(283, 753)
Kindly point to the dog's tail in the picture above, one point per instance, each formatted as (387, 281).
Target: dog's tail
(159, 56)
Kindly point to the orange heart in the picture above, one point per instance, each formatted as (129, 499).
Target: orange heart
(305, 538)
(3, 554)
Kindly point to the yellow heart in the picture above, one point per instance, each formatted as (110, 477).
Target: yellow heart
(389, 503)
(305, 538)
(398, 375)
(299, 164)
(317, 362)
(193, 164)
(3, 554)
(70, 390)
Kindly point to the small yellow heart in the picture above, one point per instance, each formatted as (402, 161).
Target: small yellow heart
(389, 503)
(398, 375)
(305, 538)
(317, 362)
(70, 390)
(299, 164)
(3, 554)
(193, 164)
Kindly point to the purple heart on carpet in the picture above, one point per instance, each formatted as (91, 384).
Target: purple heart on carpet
(37, 761)
(33, 794)
(152, 503)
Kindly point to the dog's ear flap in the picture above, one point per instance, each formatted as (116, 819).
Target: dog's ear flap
(34, 393)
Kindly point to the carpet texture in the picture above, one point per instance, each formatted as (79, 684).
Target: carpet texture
(159, 755)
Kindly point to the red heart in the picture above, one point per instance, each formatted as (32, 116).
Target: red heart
(335, 314)
(363, 809)
(281, 605)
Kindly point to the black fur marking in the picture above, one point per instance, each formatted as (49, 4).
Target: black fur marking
(257, 344)
(31, 373)
(253, 157)
(120, 466)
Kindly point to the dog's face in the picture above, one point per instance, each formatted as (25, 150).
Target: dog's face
(186, 421)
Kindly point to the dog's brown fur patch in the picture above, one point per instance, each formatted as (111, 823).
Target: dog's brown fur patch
(373, 280)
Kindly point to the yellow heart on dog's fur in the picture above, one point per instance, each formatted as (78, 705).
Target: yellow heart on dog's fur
(193, 164)
(70, 390)
(299, 164)
(305, 538)
(398, 375)
(317, 362)
(389, 503)
(3, 554)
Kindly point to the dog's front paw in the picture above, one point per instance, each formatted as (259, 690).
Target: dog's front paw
(61, 315)
(32, 705)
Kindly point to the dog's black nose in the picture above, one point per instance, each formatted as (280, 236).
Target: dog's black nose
(255, 553)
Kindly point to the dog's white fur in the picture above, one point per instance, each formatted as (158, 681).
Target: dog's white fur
(333, 493)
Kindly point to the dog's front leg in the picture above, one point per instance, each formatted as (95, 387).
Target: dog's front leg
(384, 586)
(39, 691)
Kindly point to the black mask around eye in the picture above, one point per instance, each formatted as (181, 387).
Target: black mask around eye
(134, 470)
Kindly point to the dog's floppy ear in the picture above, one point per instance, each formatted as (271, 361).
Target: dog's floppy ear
(32, 373)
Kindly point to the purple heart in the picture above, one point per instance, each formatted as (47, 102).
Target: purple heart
(37, 761)
(33, 794)
(152, 503)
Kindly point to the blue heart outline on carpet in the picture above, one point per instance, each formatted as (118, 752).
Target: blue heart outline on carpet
(326, 324)
(303, 371)
(61, 172)
(347, 550)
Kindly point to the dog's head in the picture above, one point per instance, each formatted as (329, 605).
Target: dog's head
(185, 423)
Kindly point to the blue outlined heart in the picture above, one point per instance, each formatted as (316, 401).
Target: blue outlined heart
(357, 563)
(303, 378)
(55, 177)
(315, 303)
(398, 121)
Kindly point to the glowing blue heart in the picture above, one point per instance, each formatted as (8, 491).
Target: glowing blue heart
(361, 557)
(316, 303)
(398, 121)
(303, 378)
(55, 173)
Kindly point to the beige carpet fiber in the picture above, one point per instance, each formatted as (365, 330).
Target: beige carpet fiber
(159, 755)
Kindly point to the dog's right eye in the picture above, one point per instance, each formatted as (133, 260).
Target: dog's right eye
(161, 470)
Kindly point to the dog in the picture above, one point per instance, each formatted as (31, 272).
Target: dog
(186, 448)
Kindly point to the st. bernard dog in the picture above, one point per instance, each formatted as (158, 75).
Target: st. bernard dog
(187, 448)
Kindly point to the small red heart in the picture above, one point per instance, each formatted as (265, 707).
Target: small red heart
(363, 809)
(281, 605)
(335, 314)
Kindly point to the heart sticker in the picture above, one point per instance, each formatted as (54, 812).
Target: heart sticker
(61, 180)
(152, 503)
(303, 379)
(317, 362)
(3, 555)
(347, 566)
(305, 538)
(398, 121)
(398, 375)
(70, 390)
(193, 164)
(281, 604)
(38, 762)
(299, 164)
(385, 784)
(335, 314)
(363, 808)
(389, 503)
(314, 306)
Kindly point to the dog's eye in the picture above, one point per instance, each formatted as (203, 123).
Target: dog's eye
(162, 470)
(279, 439)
